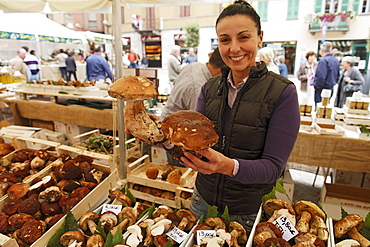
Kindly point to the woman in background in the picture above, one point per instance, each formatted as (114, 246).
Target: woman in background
(350, 81)
(266, 54)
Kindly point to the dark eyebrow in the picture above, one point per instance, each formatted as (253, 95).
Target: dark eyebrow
(244, 31)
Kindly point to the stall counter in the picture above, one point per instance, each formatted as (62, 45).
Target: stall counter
(52, 72)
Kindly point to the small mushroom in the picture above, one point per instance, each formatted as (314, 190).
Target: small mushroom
(348, 243)
(18, 220)
(37, 163)
(272, 205)
(283, 211)
(50, 208)
(188, 219)
(212, 242)
(174, 176)
(215, 222)
(119, 198)
(108, 220)
(95, 240)
(135, 237)
(86, 222)
(93, 175)
(50, 221)
(80, 192)
(11, 206)
(50, 194)
(18, 190)
(4, 222)
(238, 233)
(69, 170)
(31, 231)
(126, 218)
(264, 231)
(20, 169)
(351, 224)
(160, 227)
(162, 210)
(71, 236)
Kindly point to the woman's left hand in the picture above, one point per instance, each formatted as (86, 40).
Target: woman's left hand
(217, 162)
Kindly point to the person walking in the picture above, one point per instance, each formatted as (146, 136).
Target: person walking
(306, 72)
(71, 67)
(191, 57)
(61, 57)
(133, 58)
(174, 64)
(283, 69)
(327, 72)
(350, 81)
(144, 62)
(256, 115)
(266, 54)
(97, 66)
(17, 64)
(32, 63)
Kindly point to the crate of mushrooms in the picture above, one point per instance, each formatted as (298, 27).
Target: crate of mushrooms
(281, 224)
(73, 180)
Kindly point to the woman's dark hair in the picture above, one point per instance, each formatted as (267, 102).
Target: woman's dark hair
(241, 7)
(310, 53)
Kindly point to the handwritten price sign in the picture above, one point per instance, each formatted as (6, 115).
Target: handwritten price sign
(111, 208)
(286, 227)
(178, 235)
(205, 233)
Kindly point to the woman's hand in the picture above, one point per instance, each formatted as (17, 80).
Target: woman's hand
(218, 163)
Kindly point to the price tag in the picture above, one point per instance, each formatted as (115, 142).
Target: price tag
(177, 235)
(286, 227)
(111, 208)
(205, 233)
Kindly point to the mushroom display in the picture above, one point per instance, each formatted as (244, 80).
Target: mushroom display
(264, 231)
(351, 225)
(190, 131)
(70, 237)
(135, 89)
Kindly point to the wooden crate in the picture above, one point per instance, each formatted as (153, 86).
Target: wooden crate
(136, 174)
(151, 198)
(88, 201)
(329, 129)
(189, 187)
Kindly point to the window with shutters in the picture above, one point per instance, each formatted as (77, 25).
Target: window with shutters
(150, 18)
(122, 15)
(293, 6)
(365, 7)
(331, 6)
(262, 10)
(184, 11)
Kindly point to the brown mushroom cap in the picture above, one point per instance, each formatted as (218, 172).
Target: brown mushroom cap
(190, 221)
(310, 207)
(270, 227)
(215, 222)
(347, 223)
(18, 190)
(82, 222)
(162, 209)
(190, 130)
(271, 205)
(69, 236)
(95, 240)
(18, 220)
(31, 231)
(121, 197)
(133, 88)
(274, 242)
(241, 232)
(152, 172)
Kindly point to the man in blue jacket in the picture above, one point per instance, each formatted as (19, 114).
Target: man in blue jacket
(327, 72)
(97, 67)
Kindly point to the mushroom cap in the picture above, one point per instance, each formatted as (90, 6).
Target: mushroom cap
(82, 222)
(184, 213)
(133, 88)
(189, 130)
(18, 220)
(121, 197)
(271, 205)
(270, 227)
(162, 209)
(215, 222)
(152, 172)
(235, 226)
(310, 207)
(275, 242)
(109, 218)
(95, 240)
(18, 190)
(71, 235)
(347, 223)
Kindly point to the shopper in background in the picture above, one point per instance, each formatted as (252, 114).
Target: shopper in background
(61, 58)
(283, 69)
(327, 72)
(125, 61)
(133, 58)
(32, 63)
(144, 62)
(191, 57)
(174, 64)
(71, 67)
(97, 66)
(256, 115)
(306, 72)
(266, 54)
(350, 81)
(17, 64)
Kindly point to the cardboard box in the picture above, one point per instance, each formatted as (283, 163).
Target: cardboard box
(8, 133)
(354, 200)
(348, 177)
(289, 188)
(158, 155)
(73, 130)
(55, 136)
(60, 127)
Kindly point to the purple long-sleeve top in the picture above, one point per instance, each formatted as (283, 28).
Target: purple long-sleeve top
(280, 139)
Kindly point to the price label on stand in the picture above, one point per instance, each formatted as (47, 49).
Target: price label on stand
(111, 208)
(177, 235)
(286, 227)
(205, 233)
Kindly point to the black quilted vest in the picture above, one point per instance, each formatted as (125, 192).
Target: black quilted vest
(244, 137)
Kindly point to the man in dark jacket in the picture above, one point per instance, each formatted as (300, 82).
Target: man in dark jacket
(71, 67)
(327, 72)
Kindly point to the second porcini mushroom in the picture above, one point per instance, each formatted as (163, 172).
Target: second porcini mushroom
(87, 222)
(188, 219)
(351, 224)
(305, 211)
(70, 237)
(238, 233)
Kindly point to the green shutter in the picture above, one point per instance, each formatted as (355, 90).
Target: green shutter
(356, 6)
(293, 6)
(262, 10)
(318, 6)
(344, 7)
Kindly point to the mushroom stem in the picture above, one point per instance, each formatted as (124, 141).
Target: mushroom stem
(122, 225)
(303, 224)
(234, 238)
(183, 223)
(354, 234)
(140, 124)
(92, 226)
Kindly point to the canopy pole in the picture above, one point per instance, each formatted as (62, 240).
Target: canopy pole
(116, 13)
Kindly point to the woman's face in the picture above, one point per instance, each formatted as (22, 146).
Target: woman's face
(238, 42)
(345, 65)
(312, 58)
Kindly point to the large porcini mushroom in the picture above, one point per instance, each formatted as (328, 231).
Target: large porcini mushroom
(50, 194)
(190, 131)
(160, 227)
(126, 218)
(135, 89)
(71, 236)
(147, 225)
(188, 219)
(351, 224)
(305, 211)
